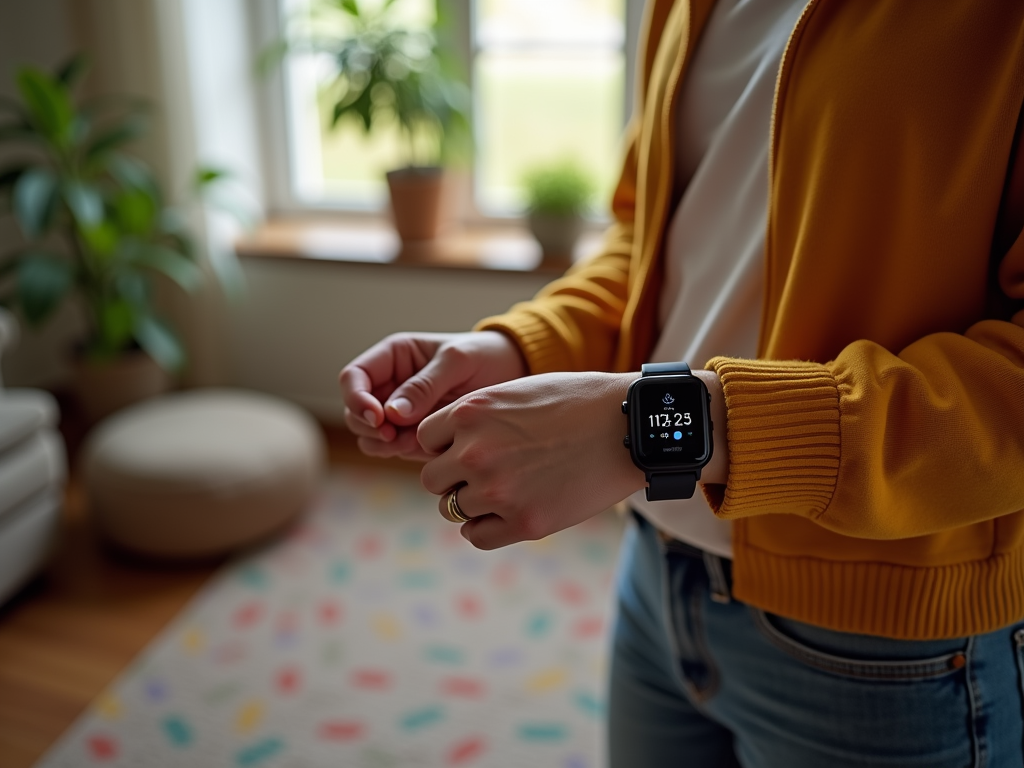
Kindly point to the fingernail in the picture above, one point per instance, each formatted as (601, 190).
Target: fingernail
(371, 417)
(403, 406)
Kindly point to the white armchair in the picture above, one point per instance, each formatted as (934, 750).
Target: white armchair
(32, 474)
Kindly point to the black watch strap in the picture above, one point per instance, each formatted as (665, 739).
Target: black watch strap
(669, 485)
(678, 368)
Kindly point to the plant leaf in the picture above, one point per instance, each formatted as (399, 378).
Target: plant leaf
(116, 322)
(206, 175)
(69, 73)
(159, 341)
(85, 202)
(48, 102)
(101, 239)
(135, 211)
(130, 172)
(180, 242)
(170, 263)
(133, 287)
(350, 7)
(42, 281)
(35, 197)
(116, 135)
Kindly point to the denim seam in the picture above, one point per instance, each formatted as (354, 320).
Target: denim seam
(700, 640)
(922, 669)
(668, 616)
(974, 697)
(1018, 640)
(719, 586)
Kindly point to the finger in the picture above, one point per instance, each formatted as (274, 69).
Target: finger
(489, 532)
(442, 472)
(404, 446)
(358, 425)
(418, 395)
(437, 431)
(357, 394)
(461, 495)
(390, 360)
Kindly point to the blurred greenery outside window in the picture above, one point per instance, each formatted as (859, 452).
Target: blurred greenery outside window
(548, 84)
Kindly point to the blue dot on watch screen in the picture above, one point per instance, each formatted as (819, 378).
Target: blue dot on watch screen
(677, 435)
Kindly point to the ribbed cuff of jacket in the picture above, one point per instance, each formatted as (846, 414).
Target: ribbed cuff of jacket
(783, 432)
(539, 345)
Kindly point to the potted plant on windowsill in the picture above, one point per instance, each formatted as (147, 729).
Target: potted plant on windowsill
(95, 229)
(384, 75)
(557, 197)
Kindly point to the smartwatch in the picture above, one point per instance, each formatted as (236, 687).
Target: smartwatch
(670, 429)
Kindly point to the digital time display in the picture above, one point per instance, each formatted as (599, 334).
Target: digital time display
(670, 420)
(670, 426)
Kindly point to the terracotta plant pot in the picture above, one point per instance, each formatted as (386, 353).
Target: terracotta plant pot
(557, 235)
(102, 388)
(416, 201)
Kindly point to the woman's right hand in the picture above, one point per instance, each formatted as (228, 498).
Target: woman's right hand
(399, 381)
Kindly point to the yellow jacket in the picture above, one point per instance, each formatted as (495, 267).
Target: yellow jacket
(876, 446)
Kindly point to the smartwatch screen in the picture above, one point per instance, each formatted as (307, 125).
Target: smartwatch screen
(670, 424)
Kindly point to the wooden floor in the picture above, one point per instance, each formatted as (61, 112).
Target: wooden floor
(71, 631)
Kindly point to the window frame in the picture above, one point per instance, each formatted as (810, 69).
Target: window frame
(266, 28)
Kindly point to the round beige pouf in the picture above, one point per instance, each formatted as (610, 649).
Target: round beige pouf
(202, 472)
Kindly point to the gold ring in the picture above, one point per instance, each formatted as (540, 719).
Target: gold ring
(455, 513)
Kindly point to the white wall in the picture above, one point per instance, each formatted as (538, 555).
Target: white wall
(299, 323)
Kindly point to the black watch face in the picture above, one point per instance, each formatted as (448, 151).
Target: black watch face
(669, 421)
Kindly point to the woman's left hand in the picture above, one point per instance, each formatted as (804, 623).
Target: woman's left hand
(531, 456)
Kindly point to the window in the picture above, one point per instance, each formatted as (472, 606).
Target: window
(549, 78)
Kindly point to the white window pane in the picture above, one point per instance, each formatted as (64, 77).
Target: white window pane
(501, 23)
(535, 109)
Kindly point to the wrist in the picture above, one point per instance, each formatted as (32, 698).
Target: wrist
(514, 365)
(672, 431)
(717, 470)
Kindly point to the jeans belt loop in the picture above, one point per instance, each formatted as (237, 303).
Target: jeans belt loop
(718, 583)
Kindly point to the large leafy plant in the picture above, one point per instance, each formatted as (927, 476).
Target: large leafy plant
(385, 73)
(92, 216)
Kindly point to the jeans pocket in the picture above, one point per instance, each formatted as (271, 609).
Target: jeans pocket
(1018, 641)
(861, 656)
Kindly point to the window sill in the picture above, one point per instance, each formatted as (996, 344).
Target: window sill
(369, 241)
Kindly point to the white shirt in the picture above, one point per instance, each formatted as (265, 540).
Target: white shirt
(712, 294)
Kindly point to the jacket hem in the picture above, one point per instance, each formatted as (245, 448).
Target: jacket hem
(884, 599)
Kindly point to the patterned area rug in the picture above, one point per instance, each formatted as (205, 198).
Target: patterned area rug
(373, 636)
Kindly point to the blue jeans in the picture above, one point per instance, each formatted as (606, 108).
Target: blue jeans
(699, 680)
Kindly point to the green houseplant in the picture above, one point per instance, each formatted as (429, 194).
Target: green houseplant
(557, 197)
(386, 74)
(95, 227)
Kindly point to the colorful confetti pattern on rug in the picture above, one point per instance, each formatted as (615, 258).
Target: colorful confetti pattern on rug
(373, 636)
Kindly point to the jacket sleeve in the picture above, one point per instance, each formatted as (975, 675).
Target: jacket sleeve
(881, 445)
(573, 323)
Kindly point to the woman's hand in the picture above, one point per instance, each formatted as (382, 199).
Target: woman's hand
(392, 386)
(535, 455)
